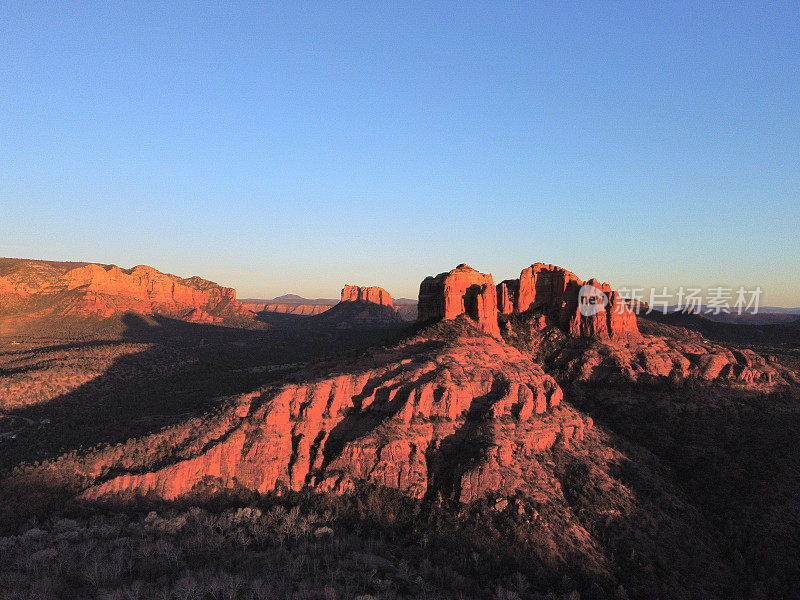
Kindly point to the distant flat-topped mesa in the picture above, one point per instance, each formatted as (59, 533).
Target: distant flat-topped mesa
(374, 294)
(461, 291)
(554, 292)
(360, 307)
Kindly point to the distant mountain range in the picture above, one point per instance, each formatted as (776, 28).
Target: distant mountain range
(785, 332)
(293, 304)
(295, 299)
(764, 316)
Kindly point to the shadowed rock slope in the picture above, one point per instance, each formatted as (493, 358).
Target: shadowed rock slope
(458, 419)
(452, 417)
(360, 307)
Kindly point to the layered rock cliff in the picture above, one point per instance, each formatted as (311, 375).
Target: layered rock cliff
(462, 420)
(374, 294)
(549, 290)
(304, 310)
(41, 288)
(460, 291)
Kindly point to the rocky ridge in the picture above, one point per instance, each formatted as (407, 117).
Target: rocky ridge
(33, 288)
(667, 356)
(461, 420)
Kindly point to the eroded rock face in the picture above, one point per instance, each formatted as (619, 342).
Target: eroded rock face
(374, 294)
(557, 293)
(666, 360)
(550, 290)
(460, 291)
(462, 421)
(507, 292)
(82, 289)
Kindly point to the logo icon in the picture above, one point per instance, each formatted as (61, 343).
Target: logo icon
(591, 300)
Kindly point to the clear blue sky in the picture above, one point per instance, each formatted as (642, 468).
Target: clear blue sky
(295, 148)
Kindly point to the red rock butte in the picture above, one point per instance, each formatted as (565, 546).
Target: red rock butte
(373, 294)
(550, 290)
(462, 291)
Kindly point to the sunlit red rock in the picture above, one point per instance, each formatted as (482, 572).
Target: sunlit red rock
(462, 420)
(555, 292)
(88, 289)
(544, 286)
(460, 291)
(506, 296)
(374, 294)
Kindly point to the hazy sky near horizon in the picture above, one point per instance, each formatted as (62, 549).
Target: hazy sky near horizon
(297, 147)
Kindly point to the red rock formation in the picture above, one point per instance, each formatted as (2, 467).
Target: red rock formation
(364, 315)
(621, 319)
(665, 359)
(507, 292)
(360, 307)
(462, 421)
(83, 289)
(461, 291)
(554, 291)
(544, 286)
(557, 292)
(374, 294)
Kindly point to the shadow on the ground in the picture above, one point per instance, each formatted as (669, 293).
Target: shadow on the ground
(778, 335)
(182, 369)
(735, 453)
